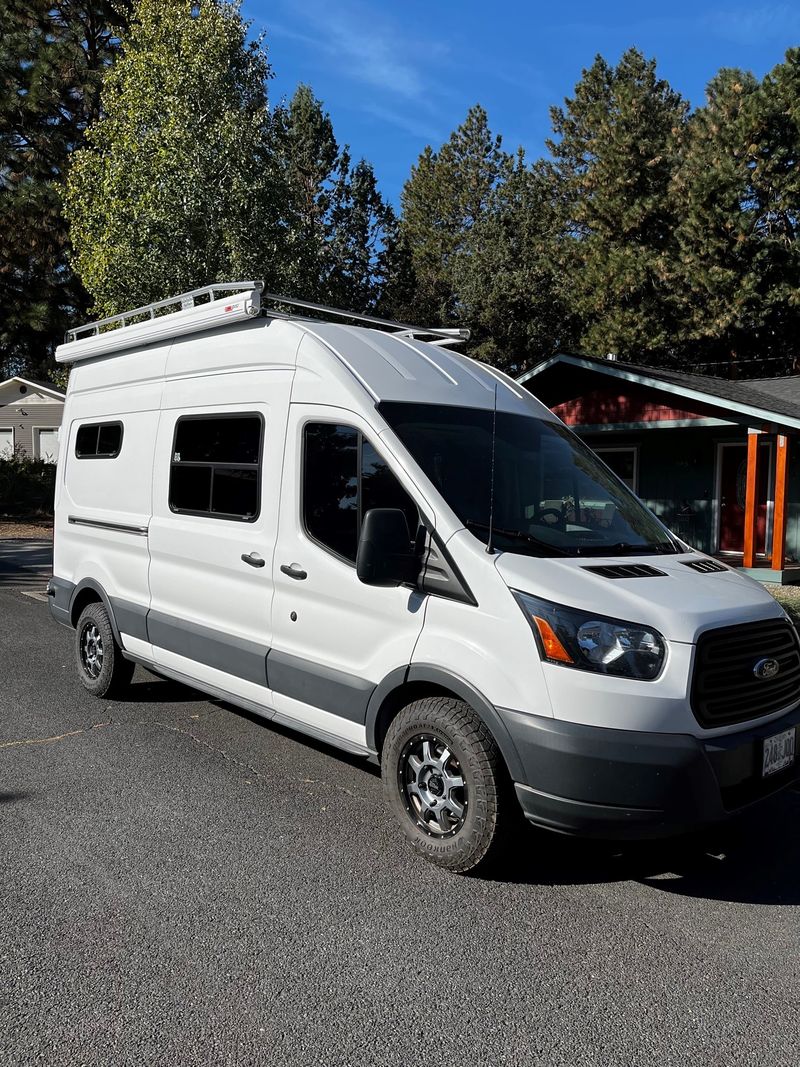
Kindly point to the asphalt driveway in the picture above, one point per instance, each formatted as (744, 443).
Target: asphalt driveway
(182, 884)
(25, 563)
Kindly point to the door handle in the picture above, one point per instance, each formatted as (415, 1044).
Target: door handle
(294, 570)
(253, 559)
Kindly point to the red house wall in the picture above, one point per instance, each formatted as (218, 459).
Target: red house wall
(610, 406)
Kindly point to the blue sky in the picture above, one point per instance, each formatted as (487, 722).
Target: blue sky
(398, 76)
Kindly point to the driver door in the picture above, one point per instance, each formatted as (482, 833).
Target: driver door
(334, 638)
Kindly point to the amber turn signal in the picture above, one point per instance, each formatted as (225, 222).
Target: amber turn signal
(553, 649)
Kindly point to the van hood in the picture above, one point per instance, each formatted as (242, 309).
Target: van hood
(681, 603)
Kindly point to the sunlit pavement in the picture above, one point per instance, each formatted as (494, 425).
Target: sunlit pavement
(182, 884)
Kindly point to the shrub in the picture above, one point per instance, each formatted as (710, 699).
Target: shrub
(27, 486)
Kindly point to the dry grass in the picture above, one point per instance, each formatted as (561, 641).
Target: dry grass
(43, 530)
(789, 597)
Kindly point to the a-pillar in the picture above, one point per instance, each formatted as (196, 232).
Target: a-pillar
(781, 502)
(751, 500)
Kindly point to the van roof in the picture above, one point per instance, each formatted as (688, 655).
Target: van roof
(390, 360)
(408, 370)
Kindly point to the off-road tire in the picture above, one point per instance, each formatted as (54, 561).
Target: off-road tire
(102, 668)
(480, 837)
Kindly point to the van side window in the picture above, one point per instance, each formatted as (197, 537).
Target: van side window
(216, 466)
(343, 477)
(99, 440)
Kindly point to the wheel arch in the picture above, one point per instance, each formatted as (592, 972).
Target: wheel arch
(404, 685)
(90, 592)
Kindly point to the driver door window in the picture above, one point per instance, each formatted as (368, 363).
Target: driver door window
(343, 477)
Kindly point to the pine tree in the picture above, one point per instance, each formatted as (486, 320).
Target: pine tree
(361, 231)
(337, 225)
(175, 187)
(737, 194)
(507, 278)
(307, 160)
(614, 154)
(445, 197)
(52, 57)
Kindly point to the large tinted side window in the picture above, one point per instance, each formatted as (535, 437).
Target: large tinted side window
(216, 466)
(343, 477)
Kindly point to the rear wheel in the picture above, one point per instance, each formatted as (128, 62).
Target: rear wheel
(444, 781)
(102, 668)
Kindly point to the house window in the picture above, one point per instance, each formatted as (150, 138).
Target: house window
(45, 443)
(216, 466)
(343, 477)
(624, 462)
(99, 440)
(6, 442)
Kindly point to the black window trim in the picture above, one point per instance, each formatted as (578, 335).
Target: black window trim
(332, 421)
(100, 426)
(257, 467)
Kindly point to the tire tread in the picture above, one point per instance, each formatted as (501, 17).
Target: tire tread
(481, 839)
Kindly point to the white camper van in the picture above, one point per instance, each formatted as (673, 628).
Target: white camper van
(358, 532)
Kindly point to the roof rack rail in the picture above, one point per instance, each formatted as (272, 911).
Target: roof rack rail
(443, 335)
(218, 304)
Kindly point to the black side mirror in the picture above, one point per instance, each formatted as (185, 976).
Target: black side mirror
(385, 556)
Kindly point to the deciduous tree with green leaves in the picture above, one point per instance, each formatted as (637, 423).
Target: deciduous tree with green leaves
(175, 186)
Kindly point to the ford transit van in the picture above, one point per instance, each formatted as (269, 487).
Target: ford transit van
(358, 532)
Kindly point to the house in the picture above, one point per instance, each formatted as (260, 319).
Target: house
(30, 417)
(718, 461)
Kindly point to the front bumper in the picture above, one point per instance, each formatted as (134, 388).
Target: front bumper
(624, 784)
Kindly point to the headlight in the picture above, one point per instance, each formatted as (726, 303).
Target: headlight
(592, 642)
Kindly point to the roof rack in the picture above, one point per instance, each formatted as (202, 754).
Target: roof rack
(185, 300)
(220, 303)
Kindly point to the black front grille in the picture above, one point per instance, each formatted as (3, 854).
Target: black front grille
(725, 688)
(627, 570)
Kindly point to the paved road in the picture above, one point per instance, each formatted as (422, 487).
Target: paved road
(181, 884)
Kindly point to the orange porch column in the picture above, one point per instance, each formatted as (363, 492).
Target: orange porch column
(781, 502)
(751, 499)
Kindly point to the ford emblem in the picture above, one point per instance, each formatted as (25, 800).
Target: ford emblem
(766, 668)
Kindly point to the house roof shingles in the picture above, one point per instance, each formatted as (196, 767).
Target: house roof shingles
(774, 398)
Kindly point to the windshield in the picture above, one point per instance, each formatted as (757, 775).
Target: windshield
(552, 495)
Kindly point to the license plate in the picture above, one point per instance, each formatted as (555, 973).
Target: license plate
(778, 752)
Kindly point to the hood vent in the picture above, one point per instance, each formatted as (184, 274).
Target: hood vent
(627, 570)
(704, 566)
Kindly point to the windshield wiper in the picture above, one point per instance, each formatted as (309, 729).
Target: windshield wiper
(514, 535)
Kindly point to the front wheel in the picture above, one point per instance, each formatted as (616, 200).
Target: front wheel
(444, 781)
(102, 668)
